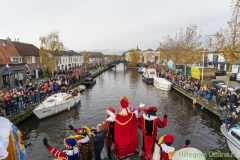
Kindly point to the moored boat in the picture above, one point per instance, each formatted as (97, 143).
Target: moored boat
(89, 81)
(163, 84)
(140, 69)
(81, 88)
(233, 139)
(149, 75)
(55, 104)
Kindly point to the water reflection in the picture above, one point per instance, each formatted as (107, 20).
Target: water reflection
(186, 121)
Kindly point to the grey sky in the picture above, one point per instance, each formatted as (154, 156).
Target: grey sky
(111, 26)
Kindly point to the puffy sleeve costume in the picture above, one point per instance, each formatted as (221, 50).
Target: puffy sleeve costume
(149, 125)
(85, 145)
(11, 145)
(125, 131)
(71, 152)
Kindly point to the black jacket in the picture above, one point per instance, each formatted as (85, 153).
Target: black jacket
(98, 140)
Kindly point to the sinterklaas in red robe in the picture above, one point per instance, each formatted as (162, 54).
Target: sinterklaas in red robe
(125, 135)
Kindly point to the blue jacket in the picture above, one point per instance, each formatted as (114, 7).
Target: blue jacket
(98, 140)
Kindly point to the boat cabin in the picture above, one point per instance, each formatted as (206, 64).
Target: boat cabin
(236, 134)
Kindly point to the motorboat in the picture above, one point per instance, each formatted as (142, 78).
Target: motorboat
(162, 83)
(233, 139)
(140, 69)
(149, 75)
(56, 103)
(81, 88)
(89, 81)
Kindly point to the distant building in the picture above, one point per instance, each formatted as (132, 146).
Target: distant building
(95, 57)
(17, 55)
(69, 59)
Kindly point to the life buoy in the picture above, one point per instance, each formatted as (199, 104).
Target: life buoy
(56, 110)
(194, 101)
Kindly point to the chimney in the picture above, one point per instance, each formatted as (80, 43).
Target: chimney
(18, 39)
(15, 40)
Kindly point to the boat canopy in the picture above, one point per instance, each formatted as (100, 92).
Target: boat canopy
(236, 134)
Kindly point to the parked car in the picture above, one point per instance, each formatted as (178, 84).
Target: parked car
(221, 84)
(220, 72)
(238, 77)
(233, 76)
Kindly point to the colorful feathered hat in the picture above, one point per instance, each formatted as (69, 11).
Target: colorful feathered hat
(69, 143)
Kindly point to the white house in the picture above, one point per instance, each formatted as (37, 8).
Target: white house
(219, 62)
(70, 59)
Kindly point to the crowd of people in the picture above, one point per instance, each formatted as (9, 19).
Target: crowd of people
(131, 129)
(20, 97)
(227, 104)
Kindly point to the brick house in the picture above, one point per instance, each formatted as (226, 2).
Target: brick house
(17, 54)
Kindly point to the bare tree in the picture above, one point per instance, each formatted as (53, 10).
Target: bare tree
(228, 40)
(134, 57)
(183, 47)
(51, 49)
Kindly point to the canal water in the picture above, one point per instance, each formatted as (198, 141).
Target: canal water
(186, 121)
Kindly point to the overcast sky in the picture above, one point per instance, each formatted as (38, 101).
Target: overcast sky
(110, 26)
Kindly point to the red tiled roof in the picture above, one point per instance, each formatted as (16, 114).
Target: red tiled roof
(25, 49)
(7, 50)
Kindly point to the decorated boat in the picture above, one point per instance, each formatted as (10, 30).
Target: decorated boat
(233, 139)
(56, 103)
(162, 84)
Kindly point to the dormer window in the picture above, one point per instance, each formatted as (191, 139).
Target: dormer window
(16, 60)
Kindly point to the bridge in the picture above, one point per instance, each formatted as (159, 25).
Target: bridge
(112, 64)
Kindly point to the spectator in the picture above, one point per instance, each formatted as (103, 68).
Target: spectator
(232, 100)
(214, 94)
(98, 141)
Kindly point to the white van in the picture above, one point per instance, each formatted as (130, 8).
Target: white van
(238, 77)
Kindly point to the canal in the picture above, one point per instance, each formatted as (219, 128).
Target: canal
(186, 121)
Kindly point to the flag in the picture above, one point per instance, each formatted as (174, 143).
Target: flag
(27, 68)
(7, 68)
(38, 67)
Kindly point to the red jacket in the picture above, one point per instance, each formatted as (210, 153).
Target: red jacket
(145, 123)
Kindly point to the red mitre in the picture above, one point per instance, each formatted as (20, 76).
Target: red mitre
(124, 102)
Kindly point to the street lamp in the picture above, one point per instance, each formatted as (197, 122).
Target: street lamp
(204, 54)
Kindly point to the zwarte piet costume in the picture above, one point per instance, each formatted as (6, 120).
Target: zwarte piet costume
(149, 123)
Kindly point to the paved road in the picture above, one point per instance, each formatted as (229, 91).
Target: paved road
(233, 84)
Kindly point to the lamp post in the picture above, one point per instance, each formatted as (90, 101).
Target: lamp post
(204, 55)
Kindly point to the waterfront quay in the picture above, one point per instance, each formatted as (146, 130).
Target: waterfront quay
(185, 120)
(19, 117)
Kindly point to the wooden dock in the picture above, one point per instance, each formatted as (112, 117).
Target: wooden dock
(18, 118)
(209, 106)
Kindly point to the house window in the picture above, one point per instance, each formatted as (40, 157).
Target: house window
(215, 58)
(16, 60)
(31, 59)
(156, 58)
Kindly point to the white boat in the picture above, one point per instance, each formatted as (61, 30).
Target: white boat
(55, 104)
(233, 139)
(163, 84)
(81, 88)
(149, 75)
